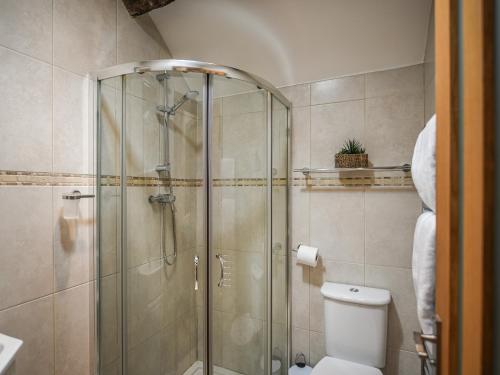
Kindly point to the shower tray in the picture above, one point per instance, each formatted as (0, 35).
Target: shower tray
(197, 369)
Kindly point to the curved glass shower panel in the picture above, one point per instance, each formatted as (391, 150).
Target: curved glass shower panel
(192, 221)
(279, 233)
(239, 226)
(163, 152)
(109, 229)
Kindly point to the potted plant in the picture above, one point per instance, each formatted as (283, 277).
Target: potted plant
(352, 155)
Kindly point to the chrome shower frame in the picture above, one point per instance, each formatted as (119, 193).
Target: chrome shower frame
(208, 70)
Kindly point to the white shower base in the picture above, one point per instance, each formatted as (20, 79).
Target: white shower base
(197, 369)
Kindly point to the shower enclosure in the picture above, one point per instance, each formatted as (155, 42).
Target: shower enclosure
(192, 250)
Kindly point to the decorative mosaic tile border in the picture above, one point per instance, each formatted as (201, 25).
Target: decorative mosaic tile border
(230, 182)
(26, 178)
(355, 181)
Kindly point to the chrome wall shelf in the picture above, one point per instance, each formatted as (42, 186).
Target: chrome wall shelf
(308, 171)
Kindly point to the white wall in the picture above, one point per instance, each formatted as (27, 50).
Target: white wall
(46, 267)
(295, 41)
(363, 225)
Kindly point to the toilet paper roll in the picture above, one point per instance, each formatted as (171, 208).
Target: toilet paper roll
(307, 255)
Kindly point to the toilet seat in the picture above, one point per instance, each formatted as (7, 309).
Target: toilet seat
(335, 366)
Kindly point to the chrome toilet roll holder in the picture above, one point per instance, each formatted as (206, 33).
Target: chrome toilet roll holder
(296, 250)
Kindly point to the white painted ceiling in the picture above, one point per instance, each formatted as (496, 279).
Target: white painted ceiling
(295, 41)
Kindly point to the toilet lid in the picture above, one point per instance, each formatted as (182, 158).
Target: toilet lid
(335, 366)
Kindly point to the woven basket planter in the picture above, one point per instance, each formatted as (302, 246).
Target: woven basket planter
(351, 160)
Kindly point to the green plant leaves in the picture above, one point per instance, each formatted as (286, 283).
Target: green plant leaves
(352, 146)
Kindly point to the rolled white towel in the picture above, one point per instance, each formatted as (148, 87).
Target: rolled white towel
(423, 165)
(423, 264)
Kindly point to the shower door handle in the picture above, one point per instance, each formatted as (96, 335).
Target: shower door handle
(196, 264)
(221, 261)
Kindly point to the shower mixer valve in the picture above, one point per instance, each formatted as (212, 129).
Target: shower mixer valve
(162, 198)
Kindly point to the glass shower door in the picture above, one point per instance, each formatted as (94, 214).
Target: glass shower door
(164, 160)
(239, 225)
(151, 214)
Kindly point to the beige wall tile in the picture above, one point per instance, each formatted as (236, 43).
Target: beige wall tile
(242, 335)
(244, 159)
(185, 342)
(345, 273)
(301, 137)
(151, 139)
(25, 115)
(72, 328)
(300, 218)
(26, 26)
(200, 333)
(300, 343)
(33, 323)
(279, 139)
(392, 127)
(338, 90)
(244, 103)
(134, 134)
(390, 221)
(300, 294)
(245, 291)
(110, 110)
(109, 231)
(71, 123)
(218, 337)
(185, 146)
(408, 80)
(142, 238)
(430, 101)
(299, 95)
(242, 221)
(337, 224)
(84, 34)
(178, 345)
(430, 47)
(145, 358)
(279, 220)
(331, 126)
(145, 86)
(109, 324)
(402, 310)
(177, 288)
(316, 347)
(185, 215)
(168, 348)
(144, 302)
(26, 269)
(73, 241)
(134, 43)
(402, 362)
(112, 369)
(279, 291)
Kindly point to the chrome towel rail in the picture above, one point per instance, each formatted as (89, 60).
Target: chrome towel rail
(308, 171)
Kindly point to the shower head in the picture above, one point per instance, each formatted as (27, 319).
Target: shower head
(187, 96)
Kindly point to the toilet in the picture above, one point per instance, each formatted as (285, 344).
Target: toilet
(355, 330)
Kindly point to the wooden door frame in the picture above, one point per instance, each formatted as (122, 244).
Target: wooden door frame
(478, 186)
(447, 194)
(478, 177)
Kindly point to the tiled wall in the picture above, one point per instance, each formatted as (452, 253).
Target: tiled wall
(429, 71)
(364, 232)
(46, 277)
